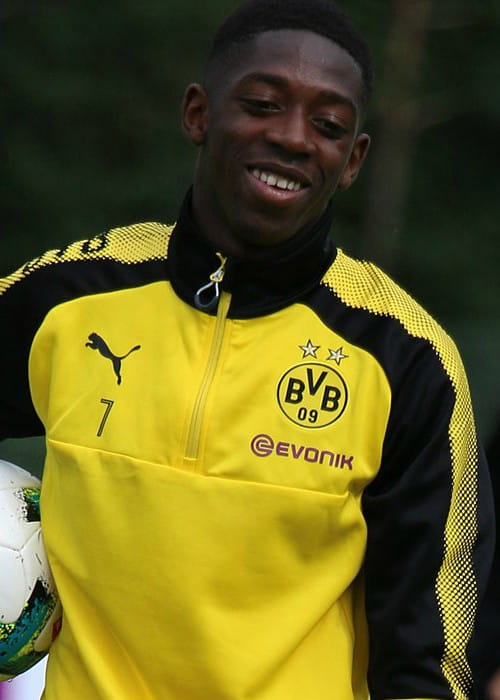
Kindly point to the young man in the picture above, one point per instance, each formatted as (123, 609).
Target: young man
(262, 475)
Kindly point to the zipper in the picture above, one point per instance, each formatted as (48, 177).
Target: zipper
(223, 299)
(200, 298)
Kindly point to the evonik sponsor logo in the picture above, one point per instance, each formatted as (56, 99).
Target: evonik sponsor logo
(263, 445)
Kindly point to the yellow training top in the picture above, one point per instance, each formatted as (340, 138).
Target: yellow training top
(216, 477)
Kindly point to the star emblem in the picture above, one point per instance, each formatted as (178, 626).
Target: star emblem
(337, 355)
(309, 349)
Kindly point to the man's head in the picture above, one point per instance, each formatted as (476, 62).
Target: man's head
(322, 17)
(278, 121)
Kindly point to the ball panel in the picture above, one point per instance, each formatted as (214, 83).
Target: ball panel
(14, 594)
(51, 629)
(35, 564)
(30, 612)
(13, 477)
(17, 652)
(16, 507)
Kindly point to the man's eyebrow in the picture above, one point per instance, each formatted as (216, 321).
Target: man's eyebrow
(280, 82)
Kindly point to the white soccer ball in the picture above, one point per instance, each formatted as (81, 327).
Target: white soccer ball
(30, 611)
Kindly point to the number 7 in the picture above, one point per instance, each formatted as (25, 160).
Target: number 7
(109, 406)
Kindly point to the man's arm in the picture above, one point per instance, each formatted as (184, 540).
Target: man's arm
(430, 536)
(19, 319)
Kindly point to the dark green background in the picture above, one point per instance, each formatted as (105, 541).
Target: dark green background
(90, 139)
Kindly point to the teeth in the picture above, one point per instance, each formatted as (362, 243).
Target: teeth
(276, 180)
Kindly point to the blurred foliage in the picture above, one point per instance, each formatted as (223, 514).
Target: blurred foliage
(91, 139)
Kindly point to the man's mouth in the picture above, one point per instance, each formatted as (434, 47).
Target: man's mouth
(276, 180)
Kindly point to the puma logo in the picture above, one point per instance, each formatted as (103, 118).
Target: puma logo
(97, 343)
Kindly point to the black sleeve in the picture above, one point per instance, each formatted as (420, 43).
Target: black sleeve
(486, 648)
(19, 319)
(430, 534)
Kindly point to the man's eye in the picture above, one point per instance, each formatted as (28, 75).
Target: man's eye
(330, 128)
(258, 105)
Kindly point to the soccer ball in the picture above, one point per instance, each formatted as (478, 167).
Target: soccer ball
(30, 612)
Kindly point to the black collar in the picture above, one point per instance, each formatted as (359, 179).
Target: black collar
(257, 288)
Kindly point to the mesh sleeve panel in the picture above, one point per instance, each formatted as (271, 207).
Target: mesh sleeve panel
(129, 245)
(362, 285)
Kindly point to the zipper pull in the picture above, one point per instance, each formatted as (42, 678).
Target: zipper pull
(215, 279)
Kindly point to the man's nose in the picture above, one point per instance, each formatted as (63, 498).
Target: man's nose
(291, 131)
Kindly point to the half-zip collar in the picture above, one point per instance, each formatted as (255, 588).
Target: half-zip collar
(292, 269)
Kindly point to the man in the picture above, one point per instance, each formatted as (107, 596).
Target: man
(262, 475)
(485, 657)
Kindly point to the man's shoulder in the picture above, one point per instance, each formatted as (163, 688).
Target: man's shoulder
(363, 285)
(385, 309)
(126, 245)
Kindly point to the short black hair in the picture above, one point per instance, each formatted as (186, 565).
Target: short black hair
(323, 17)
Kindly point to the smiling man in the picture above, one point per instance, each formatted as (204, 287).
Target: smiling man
(279, 127)
(266, 483)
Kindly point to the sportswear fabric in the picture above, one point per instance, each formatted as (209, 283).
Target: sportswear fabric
(485, 656)
(278, 495)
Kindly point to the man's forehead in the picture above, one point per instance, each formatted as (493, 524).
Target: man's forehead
(253, 19)
(299, 54)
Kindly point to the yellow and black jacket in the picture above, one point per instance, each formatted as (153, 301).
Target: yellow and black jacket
(277, 496)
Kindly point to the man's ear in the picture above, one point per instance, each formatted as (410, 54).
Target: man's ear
(356, 160)
(195, 114)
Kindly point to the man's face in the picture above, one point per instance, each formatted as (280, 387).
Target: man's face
(278, 133)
